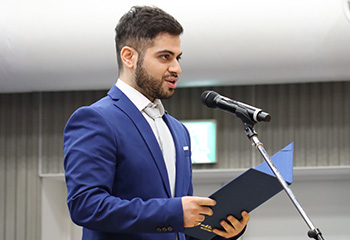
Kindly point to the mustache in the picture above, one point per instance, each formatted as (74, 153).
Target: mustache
(175, 75)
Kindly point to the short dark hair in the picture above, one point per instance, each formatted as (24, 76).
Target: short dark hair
(140, 26)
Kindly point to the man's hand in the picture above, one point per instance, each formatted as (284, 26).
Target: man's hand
(232, 227)
(195, 209)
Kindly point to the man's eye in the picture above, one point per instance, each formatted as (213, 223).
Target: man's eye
(165, 57)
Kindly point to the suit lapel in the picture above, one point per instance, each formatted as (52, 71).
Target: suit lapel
(179, 155)
(124, 104)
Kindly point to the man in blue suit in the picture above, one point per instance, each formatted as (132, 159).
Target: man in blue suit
(122, 184)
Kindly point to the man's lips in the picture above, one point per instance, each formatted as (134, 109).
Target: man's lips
(171, 82)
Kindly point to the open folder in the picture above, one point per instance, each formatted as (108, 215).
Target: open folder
(246, 192)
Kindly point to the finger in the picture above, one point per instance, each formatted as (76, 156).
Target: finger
(239, 224)
(201, 218)
(228, 231)
(233, 227)
(206, 211)
(245, 218)
(229, 228)
(234, 222)
(206, 201)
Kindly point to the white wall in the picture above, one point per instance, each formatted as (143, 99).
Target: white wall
(324, 194)
(56, 222)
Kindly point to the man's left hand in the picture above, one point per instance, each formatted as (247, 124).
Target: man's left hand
(232, 227)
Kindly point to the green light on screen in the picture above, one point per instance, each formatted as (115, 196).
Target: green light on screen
(203, 141)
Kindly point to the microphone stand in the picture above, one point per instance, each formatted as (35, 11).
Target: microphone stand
(249, 123)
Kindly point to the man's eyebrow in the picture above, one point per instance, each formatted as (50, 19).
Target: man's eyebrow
(169, 52)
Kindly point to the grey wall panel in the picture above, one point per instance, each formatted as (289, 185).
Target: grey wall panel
(313, 115)
(344, 131)
(2, 168)
(20, 183)
(56, 108)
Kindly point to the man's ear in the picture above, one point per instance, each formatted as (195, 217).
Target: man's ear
(129, 57)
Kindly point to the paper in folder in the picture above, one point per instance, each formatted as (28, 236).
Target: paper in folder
(246, 192)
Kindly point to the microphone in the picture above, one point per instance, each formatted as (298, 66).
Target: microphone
(214, 100)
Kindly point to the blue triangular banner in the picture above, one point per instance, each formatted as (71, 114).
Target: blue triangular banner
(283, 160)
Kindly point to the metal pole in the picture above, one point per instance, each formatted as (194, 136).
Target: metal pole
(314, 232)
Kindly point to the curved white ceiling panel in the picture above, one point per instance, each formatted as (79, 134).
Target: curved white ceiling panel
(69, 45)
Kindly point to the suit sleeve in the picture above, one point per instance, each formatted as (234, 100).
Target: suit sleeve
(90, 161)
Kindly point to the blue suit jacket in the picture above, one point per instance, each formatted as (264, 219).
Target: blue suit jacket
(116, 177)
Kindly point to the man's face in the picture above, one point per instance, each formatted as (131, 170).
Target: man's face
(158, 70)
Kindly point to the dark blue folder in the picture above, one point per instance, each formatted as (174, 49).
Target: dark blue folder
(246, 192)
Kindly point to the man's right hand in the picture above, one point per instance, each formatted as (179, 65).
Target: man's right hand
(195, 209)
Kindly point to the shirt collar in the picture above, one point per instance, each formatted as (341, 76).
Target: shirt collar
(137, 98)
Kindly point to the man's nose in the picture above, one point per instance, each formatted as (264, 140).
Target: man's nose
(175, 67)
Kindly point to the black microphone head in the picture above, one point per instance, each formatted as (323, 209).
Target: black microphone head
(208, 98)
(263, 116)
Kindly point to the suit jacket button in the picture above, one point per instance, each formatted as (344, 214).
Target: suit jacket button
(164, 229)
(158, 229)
(170, 229)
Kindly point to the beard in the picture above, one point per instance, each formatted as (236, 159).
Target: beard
(150, 86)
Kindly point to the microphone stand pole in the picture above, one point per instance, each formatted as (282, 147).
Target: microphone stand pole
(253, 136)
